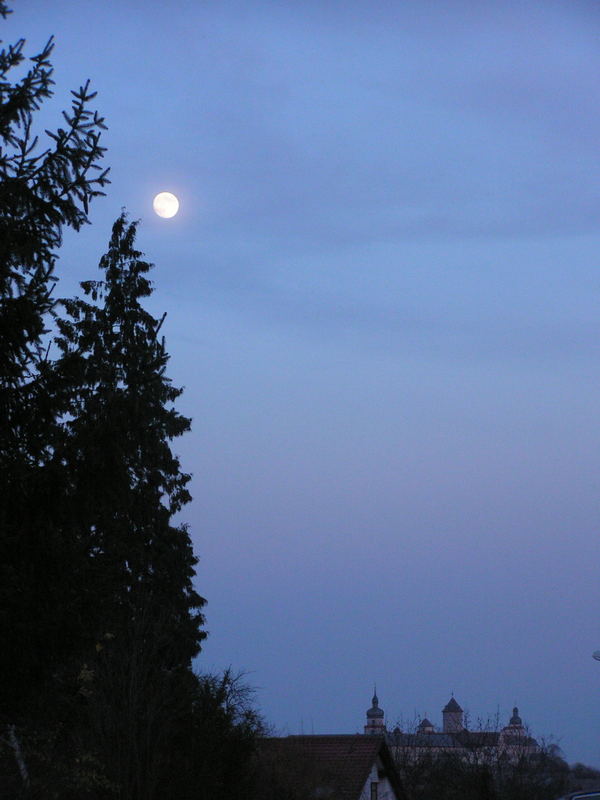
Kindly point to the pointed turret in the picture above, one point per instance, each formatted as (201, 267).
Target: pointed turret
(425, 726)
(452, 714)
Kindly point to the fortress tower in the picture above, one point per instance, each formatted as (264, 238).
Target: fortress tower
(452, 715)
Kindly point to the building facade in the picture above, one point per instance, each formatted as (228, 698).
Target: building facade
(512, 741)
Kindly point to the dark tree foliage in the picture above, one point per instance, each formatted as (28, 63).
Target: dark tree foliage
(135, 710)
(46, 185)
(125, 483)
(483, 775)
(42, 190)
(216, 744)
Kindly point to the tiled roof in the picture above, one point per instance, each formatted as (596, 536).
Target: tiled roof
(478, 738)
(459, 739)
(341, 763)
(423, 740)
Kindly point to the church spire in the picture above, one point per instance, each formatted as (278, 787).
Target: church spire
(516, 720)
(375, 716)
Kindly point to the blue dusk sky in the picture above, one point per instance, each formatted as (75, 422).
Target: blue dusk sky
(383, 298)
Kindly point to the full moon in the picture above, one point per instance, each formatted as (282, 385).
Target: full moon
(165, 205)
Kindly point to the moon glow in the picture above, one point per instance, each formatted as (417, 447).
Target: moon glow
(165, 204)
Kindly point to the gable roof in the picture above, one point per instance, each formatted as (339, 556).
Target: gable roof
(341, 763)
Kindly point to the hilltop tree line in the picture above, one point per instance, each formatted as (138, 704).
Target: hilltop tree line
(99, 617)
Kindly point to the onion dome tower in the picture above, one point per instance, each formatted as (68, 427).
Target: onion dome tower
(515, 721)
(375, 717)
(515, 739)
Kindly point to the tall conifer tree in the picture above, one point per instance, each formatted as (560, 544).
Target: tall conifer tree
(45, 187)
(126, 483)
(124, 487)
